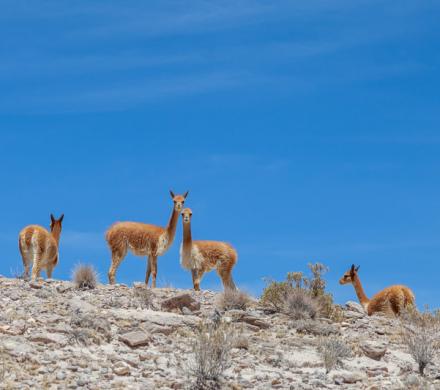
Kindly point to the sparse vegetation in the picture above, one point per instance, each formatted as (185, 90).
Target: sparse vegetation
(332, 351)
(2, 365)
(87, 328)
(85, 277)
(240, 341)
(421, 334)
(144, 297)
(300, 305)
(301, 297)
(211, 350)
(233, 299)
(317, 328)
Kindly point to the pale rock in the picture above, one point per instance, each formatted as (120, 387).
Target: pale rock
(77, 304)
(156, 317)
(135, 339)
(35, 285)
(48, 338)
(349, 314)
(179, 302)
(121, 369)
(348, 377)
(356, 307)
(373, 350)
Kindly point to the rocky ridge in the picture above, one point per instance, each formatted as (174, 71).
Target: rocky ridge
(53, 336)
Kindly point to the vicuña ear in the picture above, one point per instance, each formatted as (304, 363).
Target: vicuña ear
(357, 268)
(172, 194)
(61, 218)
(52, 218)
(185, 194)
(352, 268)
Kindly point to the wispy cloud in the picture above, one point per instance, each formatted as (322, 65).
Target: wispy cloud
(118, 96)
(107, 56)
(26, 66)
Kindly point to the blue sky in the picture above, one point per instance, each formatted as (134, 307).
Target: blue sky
(305, 131)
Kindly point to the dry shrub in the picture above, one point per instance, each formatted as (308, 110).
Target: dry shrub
(332, 351)
(144, 296)
(421, 334)
(210, 354)
(316, 328)
(233, 299)
(85, 277)
(88, 328)
(300, 305)
(300, 296)
(241, 340)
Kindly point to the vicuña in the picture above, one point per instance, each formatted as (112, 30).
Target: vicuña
(39, 247)
(391, 300)
(143, 240)
(203, 256)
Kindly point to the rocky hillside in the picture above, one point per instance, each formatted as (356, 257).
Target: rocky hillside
(54, 336)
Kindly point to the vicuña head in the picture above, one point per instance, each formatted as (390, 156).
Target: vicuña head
(348, 277)
(186, 215)
(391, 300)
(203, 256)
(40, 248)
(179, 200)
(143, 240)
(56, 224)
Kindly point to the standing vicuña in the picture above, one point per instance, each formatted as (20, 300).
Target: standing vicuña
(40, 247)
(143, 240)
(391, 300)
(203, 256)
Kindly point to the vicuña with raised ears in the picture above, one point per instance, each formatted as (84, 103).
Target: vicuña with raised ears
(391, 300)
(203, 256)
(143, 240)
(39, 247)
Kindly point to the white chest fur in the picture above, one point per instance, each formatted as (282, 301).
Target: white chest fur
(192, 261)
(163, 244)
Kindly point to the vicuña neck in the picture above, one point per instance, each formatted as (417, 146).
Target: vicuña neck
(56, 233)
(360, 291)
(172, 224)
(187, 241)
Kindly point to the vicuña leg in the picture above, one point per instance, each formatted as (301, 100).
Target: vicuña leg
(36, 266)
(226, 277)
(117, 257)
(153, 271)
(49, 271)
(26, 260)
(147, 275)
(196, 277)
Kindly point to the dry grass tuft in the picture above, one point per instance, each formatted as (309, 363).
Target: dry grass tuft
(240, 341)
(332, 351)
(144, 296)
(210, 354)
(300, 305)
(88, 328)
(421, 332)
(234, 299)
(85, 277)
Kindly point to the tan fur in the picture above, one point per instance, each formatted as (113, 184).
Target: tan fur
(203, 256)
(391, 300)
(39, 247)
(143, 240)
